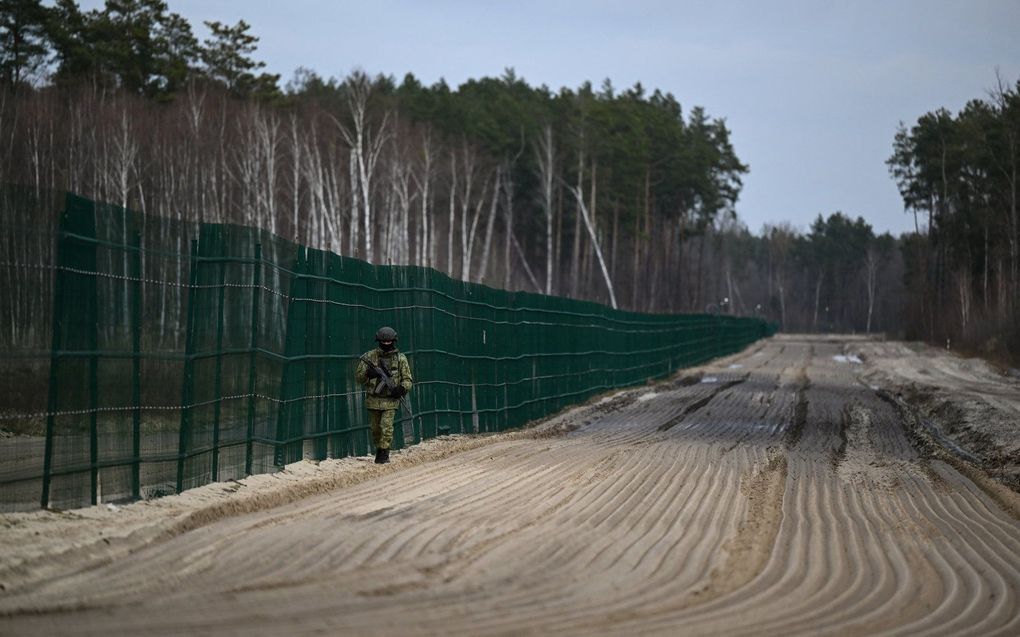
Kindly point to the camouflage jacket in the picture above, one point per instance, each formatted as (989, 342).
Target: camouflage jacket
(398, 366)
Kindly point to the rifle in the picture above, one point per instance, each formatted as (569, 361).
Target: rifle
(384, 375)
(386, 384)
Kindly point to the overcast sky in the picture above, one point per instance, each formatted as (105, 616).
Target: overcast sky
(811, 90)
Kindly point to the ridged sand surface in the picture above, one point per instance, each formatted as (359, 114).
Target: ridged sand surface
(773, 493)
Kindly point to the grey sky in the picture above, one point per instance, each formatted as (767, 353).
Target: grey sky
(812, 91)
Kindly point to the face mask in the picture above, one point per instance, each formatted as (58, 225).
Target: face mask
(387, 347)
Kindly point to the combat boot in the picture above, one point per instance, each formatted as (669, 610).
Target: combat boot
(385, 456)
(379, 456)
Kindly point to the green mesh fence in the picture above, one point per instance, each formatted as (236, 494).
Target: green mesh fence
(182, 353)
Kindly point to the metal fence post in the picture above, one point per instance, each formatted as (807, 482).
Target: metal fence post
(75, 328)
(321, 444)
(188, 389)
(290, 419)
(136, 367)
(218, 379)
(56, 345)
(93, 341)
(255, 299)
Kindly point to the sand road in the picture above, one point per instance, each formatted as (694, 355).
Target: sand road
(774, 493)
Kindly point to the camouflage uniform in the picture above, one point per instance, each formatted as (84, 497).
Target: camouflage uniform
(381, 409)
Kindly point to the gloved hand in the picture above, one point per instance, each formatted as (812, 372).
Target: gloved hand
(372, 372)
(398, 391)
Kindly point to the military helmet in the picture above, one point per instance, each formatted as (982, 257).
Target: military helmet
(386, 334)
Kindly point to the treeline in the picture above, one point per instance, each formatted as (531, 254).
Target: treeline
(599, 194)
(615, 196)
(139, 46)
(618, 196)
(960, 174)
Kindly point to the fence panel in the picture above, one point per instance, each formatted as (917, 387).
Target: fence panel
(181, 354)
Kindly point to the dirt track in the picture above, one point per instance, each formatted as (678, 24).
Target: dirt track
(777, 492)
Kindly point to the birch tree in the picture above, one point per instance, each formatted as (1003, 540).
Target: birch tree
(544, 155)
(323, 199)
(398, 228)
(296, 161)
(366, 145)
(590, 227)
(490, 223)
(471, 206)
(423, 180)
(450, 225)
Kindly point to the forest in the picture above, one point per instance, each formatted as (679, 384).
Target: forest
(621, 196)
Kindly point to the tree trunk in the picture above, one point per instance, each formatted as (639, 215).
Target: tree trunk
(453, 213)
(984, 276)
(558, 257)
(575, 264)
(527, 269)
(963, 290)
(354, 246)
(295, 185)
(489, 225)
(595, 244)
(424, 181)
(730, 296)
(367, 145)
(616, 234)
(818, 294)
(508, 205)
(782, 307)
(1014, 243)
(871, 263)
(471, 232)
(701, 261)
(636, 263)
(544, 155)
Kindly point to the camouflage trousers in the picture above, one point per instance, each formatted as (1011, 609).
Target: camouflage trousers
(382, 427)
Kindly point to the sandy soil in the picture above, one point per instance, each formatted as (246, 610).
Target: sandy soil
(967, 406)
(797, 487)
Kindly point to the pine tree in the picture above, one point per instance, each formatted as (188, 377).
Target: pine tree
(227, 59)
(23, 39)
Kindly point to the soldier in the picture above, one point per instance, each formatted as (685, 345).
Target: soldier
(382, 401)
